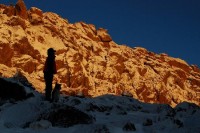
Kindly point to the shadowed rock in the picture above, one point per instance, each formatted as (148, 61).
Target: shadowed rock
(67, 116)
(129, 127)
(10, 90)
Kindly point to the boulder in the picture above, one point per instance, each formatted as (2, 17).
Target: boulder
(35, 19)
(11, 90)
(19, 77)
(9, 10)
(6, 54)
(129, 127)
(2, 8)
(17, 21)
(148, 122)
(35, 16)
(67, 116)
(104, 36)
(40, 125)
(35, 10)
(21, 10)
(101, 129)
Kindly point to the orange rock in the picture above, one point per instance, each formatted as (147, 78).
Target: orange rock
(104, 36)
(35, 10)
(6, 54)
(9, 11)
(89, 61)
(21, 10)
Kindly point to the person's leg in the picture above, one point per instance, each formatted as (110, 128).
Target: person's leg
(48, 90)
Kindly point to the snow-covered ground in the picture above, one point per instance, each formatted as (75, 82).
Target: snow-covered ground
(104, 114)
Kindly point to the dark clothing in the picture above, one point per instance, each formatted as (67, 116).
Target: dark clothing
(50, 65)
(48, 81)
(49, 71)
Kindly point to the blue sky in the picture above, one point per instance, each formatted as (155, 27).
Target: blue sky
(160, 26)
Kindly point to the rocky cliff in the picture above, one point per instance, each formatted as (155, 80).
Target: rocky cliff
(88, 60)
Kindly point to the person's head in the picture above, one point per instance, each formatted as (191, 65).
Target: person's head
(51, 52)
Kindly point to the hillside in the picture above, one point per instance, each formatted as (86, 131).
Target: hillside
(29, 113)
(89, 61)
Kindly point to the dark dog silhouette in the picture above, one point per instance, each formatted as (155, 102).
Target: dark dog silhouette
(56, 93)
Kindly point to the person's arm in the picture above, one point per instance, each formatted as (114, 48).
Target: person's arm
(54, 68)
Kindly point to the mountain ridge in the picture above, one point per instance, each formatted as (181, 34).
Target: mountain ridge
(89, 61)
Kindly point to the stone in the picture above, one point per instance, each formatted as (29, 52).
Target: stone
(67, 116)
(35, 10)
(35, 19)
(6, 54)
(35, 16)
(21, 10)
(9, 11)
(40, 125)
(17, 21)
(11, 90)
(129, 127)
(104, 36)
(148, 122)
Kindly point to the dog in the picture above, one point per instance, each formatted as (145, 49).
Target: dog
(56, 93)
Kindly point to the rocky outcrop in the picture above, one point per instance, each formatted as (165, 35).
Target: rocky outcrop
(89, 62)
(20, 9)
(11, 91)
(35, 16)
(104, 36)
(67, 116)
(9, 10)
(129, 127)
(6, 54)
(17, 21)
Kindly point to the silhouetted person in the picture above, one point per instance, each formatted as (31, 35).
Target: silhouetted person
(49, 71)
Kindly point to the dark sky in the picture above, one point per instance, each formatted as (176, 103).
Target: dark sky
(160, 26)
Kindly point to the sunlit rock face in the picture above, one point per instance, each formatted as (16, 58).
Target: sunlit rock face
(20, 9)
(89, 62)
